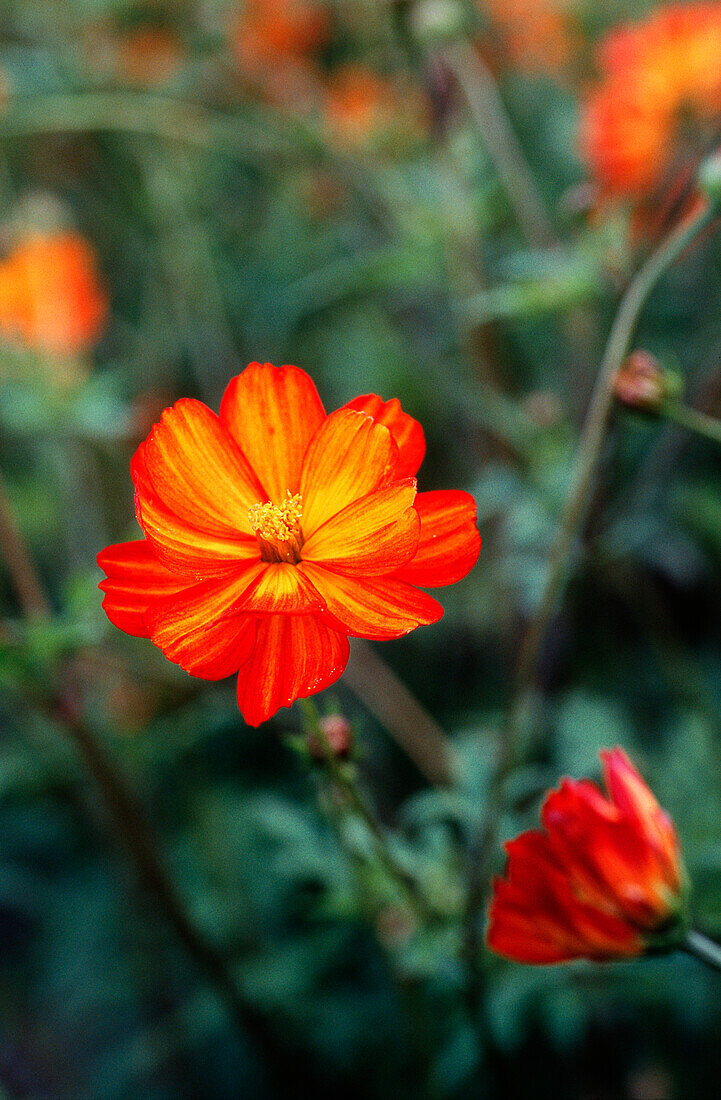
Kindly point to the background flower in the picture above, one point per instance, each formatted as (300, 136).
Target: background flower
(658, 102)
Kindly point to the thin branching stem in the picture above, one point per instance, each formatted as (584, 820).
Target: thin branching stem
(694, 420)
(488, 113)
(572, 519)
(130, 827)
(701, 947)
(356, 800)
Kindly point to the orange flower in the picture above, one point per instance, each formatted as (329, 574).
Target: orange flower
(535, 35)
(362, 104)
(660, 87)
(272, 30)
(274, 531)
(149, 54)
(50, 295)
(604, 881)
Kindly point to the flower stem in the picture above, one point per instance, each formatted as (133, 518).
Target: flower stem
(23, 574)
(577, 501)
(485, 107)
(693, 420)
(125, 814)
(396, 708)
(344, 780)
(572, 519)
(703, 948)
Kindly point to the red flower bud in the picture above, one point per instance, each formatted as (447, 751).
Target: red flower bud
(640, 383)
(339, 737)
(603, 880)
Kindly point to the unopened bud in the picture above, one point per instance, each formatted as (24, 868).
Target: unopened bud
(642, 384)
(338, 735)
(436, 21)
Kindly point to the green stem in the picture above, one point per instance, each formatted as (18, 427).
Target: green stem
(154, 115)
(575, 508)
(693, 420)
(573, 516)
(703, 948)
(486, 108)
(259, 137)
(397, 709)
(356, 800)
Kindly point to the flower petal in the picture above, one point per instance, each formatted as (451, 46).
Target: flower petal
(373, 536)
(282, 588)
(186, 549)
(406, 431)
(216, 651)
(273, 413)
(135, 580)
(198, 472)
(294, 656)
(348, 457)
(378, 609)
(200, 628)
(449, 541)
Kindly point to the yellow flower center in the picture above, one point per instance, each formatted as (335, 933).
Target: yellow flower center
(277, 528)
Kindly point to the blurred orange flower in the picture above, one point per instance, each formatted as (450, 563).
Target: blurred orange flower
(149, 54)
(660, 92)
(534, 35)
(277, 43)
(51, 298)
(604, 880)
(271, 31)
(361, 104)
(274, 531)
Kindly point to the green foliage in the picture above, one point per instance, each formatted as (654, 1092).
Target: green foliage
(231, 227)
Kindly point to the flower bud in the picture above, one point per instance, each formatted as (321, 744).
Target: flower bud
(436, 21)
(642, 384)
(338, 735)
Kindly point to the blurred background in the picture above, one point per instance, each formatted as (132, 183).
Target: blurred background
(396, 197)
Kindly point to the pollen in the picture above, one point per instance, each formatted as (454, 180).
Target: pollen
(277, 528)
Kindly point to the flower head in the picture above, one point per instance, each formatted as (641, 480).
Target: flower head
(660, 89)
(535, 36)
(362, 106)
(273, 531)
(270, 32)
(51, 298)
(603, 880)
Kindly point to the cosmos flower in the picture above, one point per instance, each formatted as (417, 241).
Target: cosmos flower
(658, 101)
(604, 880)
(51, 298)
(271, 32)
(535, 36)
(273, 531)
(361, 105)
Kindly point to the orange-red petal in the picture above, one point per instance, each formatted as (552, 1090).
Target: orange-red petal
(194, 553)
(198, 471)
(406, 431)
(449, 541)
(273, 413)
(282, 589)
(379, 608)
(135, 580)
(348, 457)
(373, 536)
(293, 657)
(189, 626)
(215, 651)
